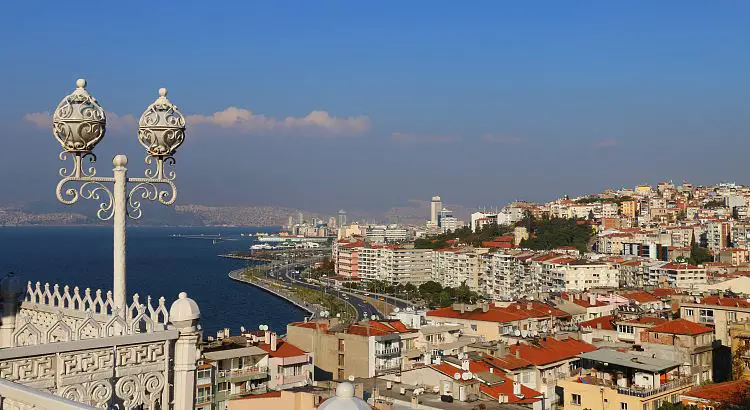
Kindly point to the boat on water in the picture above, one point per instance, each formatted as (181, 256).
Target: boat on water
(260, 246)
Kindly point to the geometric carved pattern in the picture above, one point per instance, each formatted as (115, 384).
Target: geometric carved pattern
(91, 376)
(50, 314)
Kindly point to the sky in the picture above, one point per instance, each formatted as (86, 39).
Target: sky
(366, 105)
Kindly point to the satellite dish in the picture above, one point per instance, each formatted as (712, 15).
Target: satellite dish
(242, 329)
(396, 310)
(524, 333)
(517, 332)
(535, 333)
(466, 376)
(351, 378)
(457, 376)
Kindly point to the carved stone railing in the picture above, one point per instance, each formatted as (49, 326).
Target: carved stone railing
(14, 396)
(120, 371)
(53, 314)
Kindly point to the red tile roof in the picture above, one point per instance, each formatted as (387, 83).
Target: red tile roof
(731, 302)
(604, 321)
(506, 387)
(378, 328)
(663, 292)
(727, 392)
(681, 327)
(640, 297)
(647, 320)
(283, 349)
(262, 395)
(551, 350)
(311, 325)
(507, 362)
(514, 312)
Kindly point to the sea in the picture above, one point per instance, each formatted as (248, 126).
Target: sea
(161, 261)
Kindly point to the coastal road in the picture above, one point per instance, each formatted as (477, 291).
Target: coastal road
(285, 272)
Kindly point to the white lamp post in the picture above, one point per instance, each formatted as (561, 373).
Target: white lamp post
(79, 123)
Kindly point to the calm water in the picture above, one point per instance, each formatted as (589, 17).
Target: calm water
(158, 265)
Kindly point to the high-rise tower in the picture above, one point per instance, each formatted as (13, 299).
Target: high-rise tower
(342, 218)
(435, 207)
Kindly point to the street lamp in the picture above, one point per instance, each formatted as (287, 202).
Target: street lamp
(79, 124)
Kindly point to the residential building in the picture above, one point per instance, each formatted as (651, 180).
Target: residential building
(717, 235)
(630, 331)
(739, 334)
(680, 275)
(734, 395)
(684, 341)
(581, 275)
(554, 360)
(456, 266)
(288, 365)
(611, 379)
(491, 322)
(717, 312)
(229, 368)
(359, 350)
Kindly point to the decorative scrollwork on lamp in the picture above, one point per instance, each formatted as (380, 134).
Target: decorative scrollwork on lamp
(79, 124)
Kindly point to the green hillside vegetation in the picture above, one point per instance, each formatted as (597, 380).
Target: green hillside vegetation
(553, 233)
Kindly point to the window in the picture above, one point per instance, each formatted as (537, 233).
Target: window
(204, 374)
(474, 327)
(731, 316)
(575, 399)
(223, 386)
(689, 312)
(623, 406)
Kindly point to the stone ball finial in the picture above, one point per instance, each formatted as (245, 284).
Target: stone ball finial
(162, 92)
(120, 160)
(184, 312)
(11, 286)
(344, 399)
(81, 83)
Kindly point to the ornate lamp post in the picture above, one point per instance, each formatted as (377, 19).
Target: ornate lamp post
(79, 123)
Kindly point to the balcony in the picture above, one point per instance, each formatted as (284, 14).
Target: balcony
(393, 351)
(247, 373)
(706, 319)
(638, 392)
(205, 398)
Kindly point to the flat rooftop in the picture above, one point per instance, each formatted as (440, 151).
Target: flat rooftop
(649, 364)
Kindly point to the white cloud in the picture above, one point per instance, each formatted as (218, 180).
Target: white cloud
(408, 138)
(318, 123)
(115, 122)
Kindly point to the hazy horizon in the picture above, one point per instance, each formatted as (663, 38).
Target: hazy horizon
(369, 106)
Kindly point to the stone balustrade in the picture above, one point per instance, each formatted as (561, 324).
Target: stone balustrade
(14, 396)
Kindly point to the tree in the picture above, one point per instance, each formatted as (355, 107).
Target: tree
(699, 255)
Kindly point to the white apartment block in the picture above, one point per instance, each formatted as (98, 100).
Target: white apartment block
(680, 275)
(583, 275)
(480, 219)
(717, 235)
(454, 267)
(391, 264)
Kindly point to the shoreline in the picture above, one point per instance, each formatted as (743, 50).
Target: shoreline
(236, 275)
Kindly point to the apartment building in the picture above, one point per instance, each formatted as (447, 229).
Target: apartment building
(361, 349)
(680, 275)
(492, 322)
(717, 312)
(610, 379)
(229, 368)
(581, 275)
(684, 341)
(453, 267)
(717, 235)
(390, 263)
(554, 360)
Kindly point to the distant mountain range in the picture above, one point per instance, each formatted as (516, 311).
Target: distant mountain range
(84, 213)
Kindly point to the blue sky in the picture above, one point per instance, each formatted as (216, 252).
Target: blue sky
(365, 105)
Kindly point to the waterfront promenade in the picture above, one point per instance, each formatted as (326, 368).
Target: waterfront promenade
(275, 289)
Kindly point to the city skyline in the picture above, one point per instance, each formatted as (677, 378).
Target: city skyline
(304, 106)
